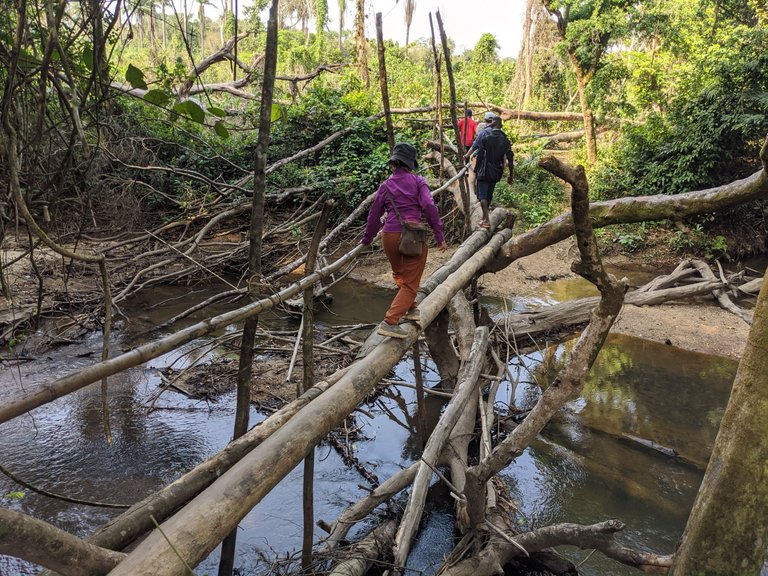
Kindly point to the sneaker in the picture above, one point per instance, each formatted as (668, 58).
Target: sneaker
(413, 315)
(393, 331)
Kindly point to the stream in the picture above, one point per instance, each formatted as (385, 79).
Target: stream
(593, 462)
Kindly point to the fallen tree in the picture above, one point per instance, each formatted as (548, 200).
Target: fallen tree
(665, 288)
(639, 209)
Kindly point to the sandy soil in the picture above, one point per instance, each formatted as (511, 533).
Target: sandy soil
(700, 326)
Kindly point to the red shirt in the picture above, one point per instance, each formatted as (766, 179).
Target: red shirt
(468, 135)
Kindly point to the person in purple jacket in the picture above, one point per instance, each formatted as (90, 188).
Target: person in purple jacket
(413, 199)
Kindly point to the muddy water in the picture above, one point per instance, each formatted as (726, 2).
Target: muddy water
(590, 464)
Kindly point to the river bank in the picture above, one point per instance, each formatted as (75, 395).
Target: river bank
(698, 325)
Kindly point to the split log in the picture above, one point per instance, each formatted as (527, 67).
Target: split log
(638, 209)
(36, 541)
(466, 388)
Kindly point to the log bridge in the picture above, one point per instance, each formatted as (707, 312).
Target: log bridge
(181, 524)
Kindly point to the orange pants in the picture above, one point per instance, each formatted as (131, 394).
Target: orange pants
(407, 271)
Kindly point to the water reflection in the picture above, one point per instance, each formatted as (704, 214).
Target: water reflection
(590, 463)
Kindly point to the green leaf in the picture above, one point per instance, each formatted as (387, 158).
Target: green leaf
(55, 55)
(87, 58)
(190, 109)
(217, 111)
(135, 77)
(157, 97)
(15, 495)
(221, 130)
(277, 113)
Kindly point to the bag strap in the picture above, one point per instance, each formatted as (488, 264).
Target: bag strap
(392, 200)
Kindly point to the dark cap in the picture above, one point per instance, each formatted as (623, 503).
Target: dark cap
(406, 153)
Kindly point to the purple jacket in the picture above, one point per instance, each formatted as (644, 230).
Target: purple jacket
(413, 198)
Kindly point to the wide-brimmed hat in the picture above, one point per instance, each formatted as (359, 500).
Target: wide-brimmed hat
(406, 154)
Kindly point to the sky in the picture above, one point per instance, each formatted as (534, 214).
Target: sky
(464, 20)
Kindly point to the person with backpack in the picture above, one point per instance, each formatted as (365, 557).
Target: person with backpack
(492, 147)
(406, 198)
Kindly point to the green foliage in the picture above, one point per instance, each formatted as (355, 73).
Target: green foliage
(485, 49)
(535, 193)
(16, 495)
(480, 74)
(711, 134)
(697, 241)
(358, 159)
(628, 237)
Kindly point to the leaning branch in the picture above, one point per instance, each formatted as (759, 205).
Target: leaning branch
(570, 380)
(635, 209)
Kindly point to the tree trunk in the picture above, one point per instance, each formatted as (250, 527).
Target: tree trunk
(455, 122)
(256, 232)
(520, 88)
(362, 45)
(383, 82)
(202, 29)
(586, 110)
(36, 541)
(727, 532)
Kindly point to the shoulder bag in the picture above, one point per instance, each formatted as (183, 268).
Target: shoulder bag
(413, 236)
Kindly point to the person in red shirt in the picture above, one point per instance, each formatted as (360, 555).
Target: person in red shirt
(467, 129)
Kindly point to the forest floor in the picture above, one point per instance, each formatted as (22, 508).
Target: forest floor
(699, 325)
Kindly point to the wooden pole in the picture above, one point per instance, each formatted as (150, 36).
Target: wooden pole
(244, 370)
(383, 82)
(307, 383)
(420, 415)
(455, 122)
(438, 98)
